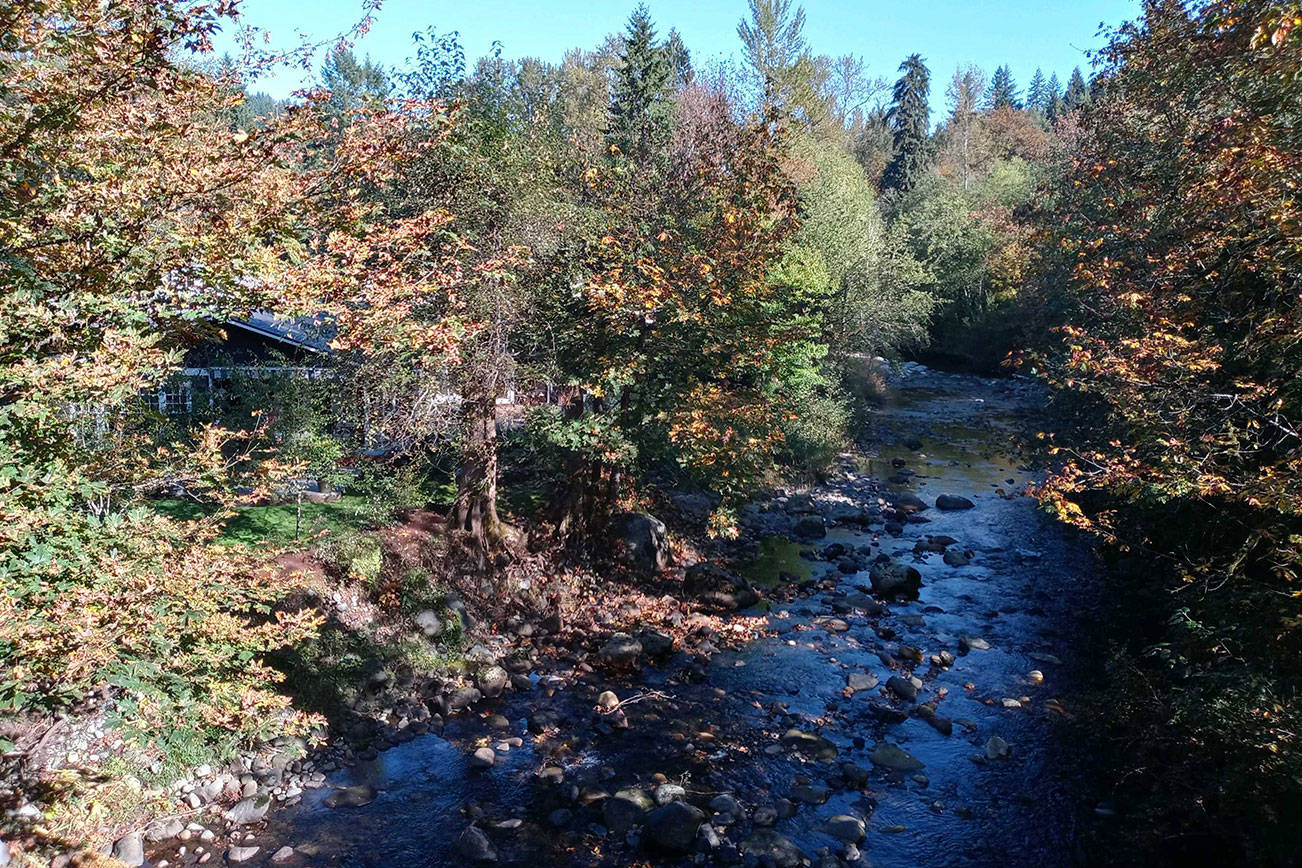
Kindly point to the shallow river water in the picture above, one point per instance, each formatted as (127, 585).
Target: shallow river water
(716, 727)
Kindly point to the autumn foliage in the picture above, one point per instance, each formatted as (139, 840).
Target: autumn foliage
(1179, 240)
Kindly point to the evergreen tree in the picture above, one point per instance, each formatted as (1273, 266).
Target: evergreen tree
(353, 84)
(909, 117)
(1037, 94)
(1054, 106)
(773, 42)
(639, 116)
(1003, 90)
(679, 59)
(1078, 92)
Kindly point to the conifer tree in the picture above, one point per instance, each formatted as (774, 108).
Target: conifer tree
(1003, 90)
(1078, 92)
(909, 118)
(679, 59)
(1037, 94)
(1054, 106)
(639, 112)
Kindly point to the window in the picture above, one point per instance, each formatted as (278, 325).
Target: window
(175, 399)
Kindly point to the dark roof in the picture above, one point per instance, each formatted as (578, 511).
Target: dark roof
(312, 333)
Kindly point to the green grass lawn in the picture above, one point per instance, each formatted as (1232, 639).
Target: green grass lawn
(255, 525)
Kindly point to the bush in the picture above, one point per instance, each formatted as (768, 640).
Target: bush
(176, 627)
(816, 431)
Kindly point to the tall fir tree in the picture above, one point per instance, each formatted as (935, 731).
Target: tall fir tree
(1003, 90)
(1054, 106)
(639, 108)
(909, 118)
(352, 83)
(679, 58)
(1078, 92)
(1037, 93)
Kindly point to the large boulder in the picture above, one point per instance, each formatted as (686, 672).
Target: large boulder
(811, 527)
(769, 848)
(640, 541)
(953, 501)
(890, 579)
(712, 584)
(620, 650)
(907, 502)
(625, 809)
(672, 828)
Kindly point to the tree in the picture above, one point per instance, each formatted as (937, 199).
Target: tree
(680, 60)
(1180, 351)
(1054, 105)
(1003, 91)
(1037, 94)
(1078, 92)
(640, 111)
(673, 332)
(352, 84)
(130, 212)
(773, 42)
(909, 118)
(965, 140)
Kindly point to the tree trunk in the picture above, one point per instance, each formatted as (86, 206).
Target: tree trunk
(475, 509)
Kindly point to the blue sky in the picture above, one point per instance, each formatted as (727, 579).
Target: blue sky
(1025, 34)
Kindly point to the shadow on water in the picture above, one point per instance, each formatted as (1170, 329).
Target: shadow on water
(715, 726)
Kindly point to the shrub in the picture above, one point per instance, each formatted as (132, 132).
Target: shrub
(143, 604)
(816, 431)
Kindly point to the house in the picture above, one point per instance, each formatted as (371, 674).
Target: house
(263, 345)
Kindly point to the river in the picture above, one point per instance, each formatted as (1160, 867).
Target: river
(1000, 788)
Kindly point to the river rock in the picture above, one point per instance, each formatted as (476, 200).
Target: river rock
(811, 527)
(242, 854)
(997, 748)
(461, 698)
(129, 849)
(953, 501)
(248, 811)
(655, 643)
(972, 643)
(284, 854)
(907, 502)
(727, 805)
(809, 743)
(902, 687)
(811, 794)
(672, 828)
(716, 586)
(767, 847)
(956, 558)
(350, 797)
(801, 504)
(483, 758)
(895, 758)
(429, 623)
(641, 541)
(846, 828)
(492, 680)
(474, 846)
(857, 681)
(666, 793)
(625, 809)
(891, 579)
(620, 650)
